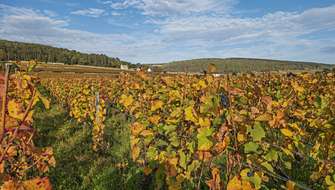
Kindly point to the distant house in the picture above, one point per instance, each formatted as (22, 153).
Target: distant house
(149, 70)
(217, 75)
(124, 67)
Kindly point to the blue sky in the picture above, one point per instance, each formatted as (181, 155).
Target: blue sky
(154, 31)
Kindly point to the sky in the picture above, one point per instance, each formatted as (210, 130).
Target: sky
(157, 31)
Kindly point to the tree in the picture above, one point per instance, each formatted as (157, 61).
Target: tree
(3, 55)
(25, 51)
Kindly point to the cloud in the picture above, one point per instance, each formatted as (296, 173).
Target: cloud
(196, 34)
(90, 12)
(28, 25)
(276, 25)
(115, 14)
(174, 7)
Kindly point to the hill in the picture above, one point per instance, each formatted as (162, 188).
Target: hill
(10, 50)
(240, 65)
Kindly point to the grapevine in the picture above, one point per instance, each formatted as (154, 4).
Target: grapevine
(183, 127)
(18, 155)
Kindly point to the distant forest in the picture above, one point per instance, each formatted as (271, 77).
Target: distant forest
(14, 51)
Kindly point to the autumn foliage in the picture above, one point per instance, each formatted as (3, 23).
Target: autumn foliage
(235, 132)
(18, 155)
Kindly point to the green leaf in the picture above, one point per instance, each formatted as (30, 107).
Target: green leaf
(204, 143)
(152, 153)
(182, 159)
(161, 143)
(288, 165)
(256, 132)
(174, 140)
(272, 155)
(194, 166)
(268, 166)
(250, 147)
(169, 128)
(254, 178)
(190, 146)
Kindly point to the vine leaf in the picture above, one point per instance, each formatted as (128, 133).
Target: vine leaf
(189, 115)
(253, 177)
(256, 132)
(204, 144)
(272, 155)
(126, 100)
(157, 105)
(250, 147)
(287, 132)
(15, 110)
(237, 184)
(264, 117)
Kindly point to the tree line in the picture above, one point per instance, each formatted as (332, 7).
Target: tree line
(18, 51)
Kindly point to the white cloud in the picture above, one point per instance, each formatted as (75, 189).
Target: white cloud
(115, 14)
(174, 7)
(280, 35)
(278, 24)
(90, 12)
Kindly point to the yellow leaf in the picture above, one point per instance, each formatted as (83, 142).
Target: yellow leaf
(126, 100)
(146, 133)
(154, 119)
(287, 132)
(264, 117)
(290, 185)
(157, 105)
(173, 161)
(297, 87)
(189, 115)
(201, 84)
(137, 128)
(329, 181)
(11, 151)
(240, 137)
(204, 122)
(147, 170)
(15, 110)
(236, 184)
(44, 100)
(135, 152)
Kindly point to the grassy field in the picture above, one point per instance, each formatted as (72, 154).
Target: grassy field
(78, 166)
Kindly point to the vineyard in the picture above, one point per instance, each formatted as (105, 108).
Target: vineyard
(236, 132)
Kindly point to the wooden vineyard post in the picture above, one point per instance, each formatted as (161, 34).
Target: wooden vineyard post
(97, 101)
(4, 100)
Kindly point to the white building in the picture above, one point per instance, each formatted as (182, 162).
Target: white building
(124, 67)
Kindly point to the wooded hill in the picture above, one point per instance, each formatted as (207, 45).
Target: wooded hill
(10, 50)
(230, 65)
